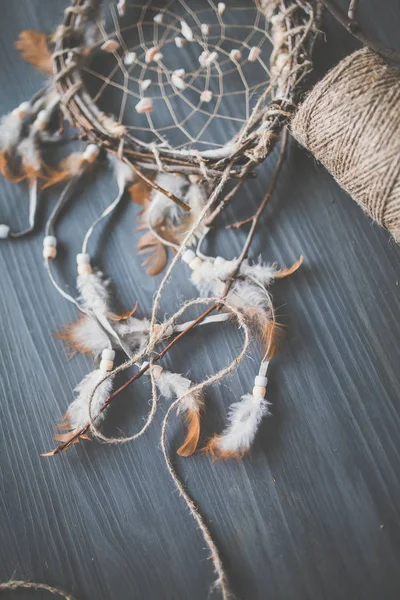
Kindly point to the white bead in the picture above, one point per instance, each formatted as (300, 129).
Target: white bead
(235, 55)
(84, 269)
(108, 354)
(145, 105)
(90, 153)
(178, 82)
(49, 240)
(110, 46)
(261, 380)
(158, 56)
(254, 54)
(158, 18)
(188, 256)
(259, 391)
(221, 8)
(129, 58)
(186, 31)
(83, 259)
(4, 231)
(180, 42)
(106, 365)
(49, 252)
(121, 7)
(157, 370)
(219, 260)
(150, 54)
(145, 84)
(210, 59)
(206, 96)
(205, 29)
(196, 262)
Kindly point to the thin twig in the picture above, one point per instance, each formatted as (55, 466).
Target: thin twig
(256, 217)
(155, 185)
(354, 29)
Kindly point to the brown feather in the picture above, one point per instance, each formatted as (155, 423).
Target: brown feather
(158, 255)
(124, 316)
(7, 169)
(193, 433)
(286, 272)
(140, 192)
(68, 336)
(213, 449)
(33, 47)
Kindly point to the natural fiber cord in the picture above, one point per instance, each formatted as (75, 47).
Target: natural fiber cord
(350, 121)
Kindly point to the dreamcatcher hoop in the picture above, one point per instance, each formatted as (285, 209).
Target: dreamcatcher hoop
(293, 29)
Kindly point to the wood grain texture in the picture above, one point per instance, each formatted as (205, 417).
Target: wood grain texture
(314, 513)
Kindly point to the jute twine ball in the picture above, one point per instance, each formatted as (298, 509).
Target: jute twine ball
(350, 121)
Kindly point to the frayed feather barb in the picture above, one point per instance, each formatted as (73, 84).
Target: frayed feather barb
(174, 385)
(80, 410)
(244, 419)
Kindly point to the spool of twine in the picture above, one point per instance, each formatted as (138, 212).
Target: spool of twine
(350, 121)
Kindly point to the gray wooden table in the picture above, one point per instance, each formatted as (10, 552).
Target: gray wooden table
(314, 513)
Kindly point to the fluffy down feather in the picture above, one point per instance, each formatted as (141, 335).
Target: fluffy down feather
(209, 277)
(94, 292)
(77, 414)
(84, 335)
(134, 332)
(244, 419)
(162, 208)
(10, 131)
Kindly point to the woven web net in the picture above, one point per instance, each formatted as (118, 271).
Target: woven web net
(202, 89)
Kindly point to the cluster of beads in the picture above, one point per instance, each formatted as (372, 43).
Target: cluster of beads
(83, 264)
(107, 360)
(260, 386)
(49, 247)
(190, 258)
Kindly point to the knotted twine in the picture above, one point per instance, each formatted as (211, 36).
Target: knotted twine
(350, 121)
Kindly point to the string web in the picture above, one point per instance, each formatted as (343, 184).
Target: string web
(181, 118)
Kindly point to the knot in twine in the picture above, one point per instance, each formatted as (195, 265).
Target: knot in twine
(350, 121)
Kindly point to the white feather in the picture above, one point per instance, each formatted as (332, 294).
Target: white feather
(10, 131)
(244, 419)
(78, 411)
(29, 152)
(162, 208)
(94, 292)
(246, 294)
(123, 173)
(174, 384)
(261, 272)
(134, 332)
(88, 333)
(209, 277)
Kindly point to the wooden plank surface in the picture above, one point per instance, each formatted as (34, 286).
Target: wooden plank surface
(314, 513)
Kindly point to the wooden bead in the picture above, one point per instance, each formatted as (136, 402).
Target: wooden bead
(106, 365)
(84, 269)
(259, 391)
(196, 262)
(254, 54)
(49, 252)
(157, 370)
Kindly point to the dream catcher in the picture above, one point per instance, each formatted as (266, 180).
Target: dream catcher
(122, 74)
